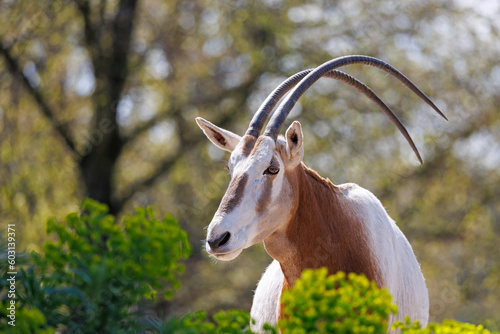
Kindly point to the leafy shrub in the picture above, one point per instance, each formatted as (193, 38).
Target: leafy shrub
(224, 322)
(319, 303)
(447, 327)
(88, 279)
(28, 320)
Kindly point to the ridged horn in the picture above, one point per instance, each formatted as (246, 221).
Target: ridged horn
(286, 106)
(261, 115)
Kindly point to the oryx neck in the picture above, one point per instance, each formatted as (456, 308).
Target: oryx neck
(324, 231)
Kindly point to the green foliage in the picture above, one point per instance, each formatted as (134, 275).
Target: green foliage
(447, 327)
(95, 270)
(318, 303)
(227, 322)
(27, 320)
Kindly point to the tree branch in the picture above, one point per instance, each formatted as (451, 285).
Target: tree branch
(198, 100)
(121, 37)
(15, 70)
(145, 126)
(91, 37)
(102, 16)
(165, 165)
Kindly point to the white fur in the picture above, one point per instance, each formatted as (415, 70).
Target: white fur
(397, 262)
(266, 301)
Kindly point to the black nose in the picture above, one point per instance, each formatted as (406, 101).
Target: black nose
(220, 241)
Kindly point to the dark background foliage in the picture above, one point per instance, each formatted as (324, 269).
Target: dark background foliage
(98, 99)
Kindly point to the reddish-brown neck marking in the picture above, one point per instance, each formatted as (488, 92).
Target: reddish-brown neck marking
(323, 232)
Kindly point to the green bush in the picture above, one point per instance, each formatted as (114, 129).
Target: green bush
(90, 278)
(224, 322)
(447, 327)
(28, 320)
(319, 303)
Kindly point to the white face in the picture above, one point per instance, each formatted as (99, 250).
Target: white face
(259, 199)
(256, 202)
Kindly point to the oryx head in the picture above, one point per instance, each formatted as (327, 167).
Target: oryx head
(259, 199)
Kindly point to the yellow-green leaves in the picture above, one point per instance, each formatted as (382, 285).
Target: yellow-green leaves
(96, 269)
(447, 327)
(319, 303)
(224, 322)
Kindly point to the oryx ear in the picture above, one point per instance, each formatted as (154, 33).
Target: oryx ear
(294, 148)
(221, 138)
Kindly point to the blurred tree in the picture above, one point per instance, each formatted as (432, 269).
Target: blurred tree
(98, 98)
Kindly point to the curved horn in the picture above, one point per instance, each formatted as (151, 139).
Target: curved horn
(280, 115)
(362, 88)
(260, 116)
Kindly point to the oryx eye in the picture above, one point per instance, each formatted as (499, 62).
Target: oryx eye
(272, 170)
(227, 168)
